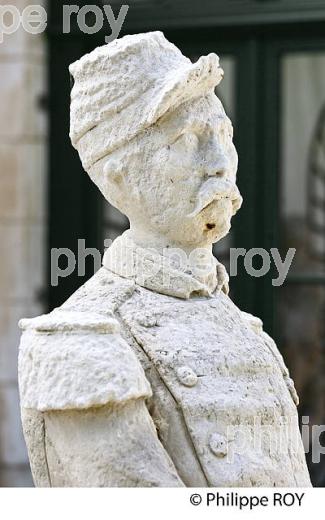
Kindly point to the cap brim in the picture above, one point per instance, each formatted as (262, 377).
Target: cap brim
(184, 84)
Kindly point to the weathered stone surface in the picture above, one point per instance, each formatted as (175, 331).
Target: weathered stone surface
(67, 360)
(149, 375)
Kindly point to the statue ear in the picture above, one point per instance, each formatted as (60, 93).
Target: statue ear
(114, 171)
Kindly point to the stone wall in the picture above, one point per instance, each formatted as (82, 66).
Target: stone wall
(23, 224)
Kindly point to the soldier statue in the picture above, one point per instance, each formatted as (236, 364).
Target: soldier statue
(149, 375)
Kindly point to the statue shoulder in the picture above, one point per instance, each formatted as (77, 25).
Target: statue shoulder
(75, 359)
(253, 321)
(105, 291)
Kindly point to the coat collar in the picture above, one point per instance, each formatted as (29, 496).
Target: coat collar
(159, 273)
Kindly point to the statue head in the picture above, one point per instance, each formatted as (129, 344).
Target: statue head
(155, 138)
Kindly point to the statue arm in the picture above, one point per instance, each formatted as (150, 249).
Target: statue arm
(108, 446)
(83, 383)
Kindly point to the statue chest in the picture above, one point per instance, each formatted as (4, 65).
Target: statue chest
(225, 379)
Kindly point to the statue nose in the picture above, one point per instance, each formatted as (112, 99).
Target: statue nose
(217, 158)
(220, 167)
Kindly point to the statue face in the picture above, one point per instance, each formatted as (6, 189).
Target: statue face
(179, 176)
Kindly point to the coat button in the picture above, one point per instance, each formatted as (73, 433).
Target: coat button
(186, 376)
(148, 321)
(218, 445)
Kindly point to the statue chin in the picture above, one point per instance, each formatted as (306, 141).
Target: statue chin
(217, 219)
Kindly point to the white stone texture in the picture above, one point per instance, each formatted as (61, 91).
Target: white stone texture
(78, 377)
(109, 110)
(149, 375)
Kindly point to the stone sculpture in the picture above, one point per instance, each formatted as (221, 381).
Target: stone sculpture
(149, 375)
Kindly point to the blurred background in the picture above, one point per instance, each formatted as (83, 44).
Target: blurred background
(273, 54)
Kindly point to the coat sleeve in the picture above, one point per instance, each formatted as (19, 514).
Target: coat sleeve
(90, 389)
(110, 446)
